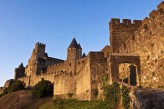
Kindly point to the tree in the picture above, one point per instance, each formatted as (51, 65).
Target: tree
(42, 89)
(14, 86)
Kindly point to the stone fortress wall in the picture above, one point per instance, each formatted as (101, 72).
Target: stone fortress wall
(140, 44)
(147, 41)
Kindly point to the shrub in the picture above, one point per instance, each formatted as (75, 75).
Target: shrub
(14, 86)
(125, 97)
(5, 91)
(112, 94)
(42, 89)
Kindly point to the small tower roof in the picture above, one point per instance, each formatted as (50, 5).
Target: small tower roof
(84, 55)
(21, 65)
(73, 44)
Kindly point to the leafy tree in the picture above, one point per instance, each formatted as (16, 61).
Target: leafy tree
(42, 89)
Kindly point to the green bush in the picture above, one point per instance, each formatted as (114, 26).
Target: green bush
(112, 94)
(14, 86)
(125, 97)
(42, 89)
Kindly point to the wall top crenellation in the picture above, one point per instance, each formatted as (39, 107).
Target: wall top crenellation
(116, 21)
(161, 5)
(40, 44)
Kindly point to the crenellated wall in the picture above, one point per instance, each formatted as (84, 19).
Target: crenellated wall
(120, 32)
(81, 77)
(148, 43)
(57, 69)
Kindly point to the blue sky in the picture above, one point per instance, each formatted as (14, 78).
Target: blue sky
(53, 22)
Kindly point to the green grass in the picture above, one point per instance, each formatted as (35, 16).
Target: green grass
(75, 104)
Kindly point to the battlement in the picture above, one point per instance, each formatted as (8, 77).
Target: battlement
(57, 64)
(161, 5)
(116, 21)
(145, 20)
(153, 13)
(38, 44)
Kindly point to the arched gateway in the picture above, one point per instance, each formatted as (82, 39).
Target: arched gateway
(113, 68)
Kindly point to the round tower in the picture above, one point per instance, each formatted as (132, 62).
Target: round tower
(74, 52)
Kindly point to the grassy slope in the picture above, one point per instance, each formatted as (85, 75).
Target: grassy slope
(74, 104)
(21, 100)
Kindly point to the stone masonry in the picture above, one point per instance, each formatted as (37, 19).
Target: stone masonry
(135, 56)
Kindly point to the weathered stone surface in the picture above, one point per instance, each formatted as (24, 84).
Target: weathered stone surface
(145, 39)
(138, 43)
(147, 98)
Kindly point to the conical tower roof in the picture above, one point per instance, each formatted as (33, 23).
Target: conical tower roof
(73, 44)
(84, 55)
(21, 65)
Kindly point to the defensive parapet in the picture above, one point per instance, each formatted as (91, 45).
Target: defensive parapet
(161, 5)
(154, 13)
(121, 31)
(127, 22)
(40, 50)
(38, 44)
(152, 21)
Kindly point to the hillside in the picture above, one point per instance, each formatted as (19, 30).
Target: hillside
(146, 98)
(20, 100)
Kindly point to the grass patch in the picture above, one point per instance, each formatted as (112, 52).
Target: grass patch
(75, 104)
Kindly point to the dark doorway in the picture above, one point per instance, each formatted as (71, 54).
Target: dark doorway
(132, 75)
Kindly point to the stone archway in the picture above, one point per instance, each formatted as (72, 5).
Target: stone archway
(127, 73)
(113, 68)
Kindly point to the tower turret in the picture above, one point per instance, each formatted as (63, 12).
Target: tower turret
(19, 72)
(36, 62)
(74, 52)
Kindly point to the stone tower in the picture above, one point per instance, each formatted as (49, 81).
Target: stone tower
(74, 52)
(19, 72)
(39, 51)
(36, 62)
